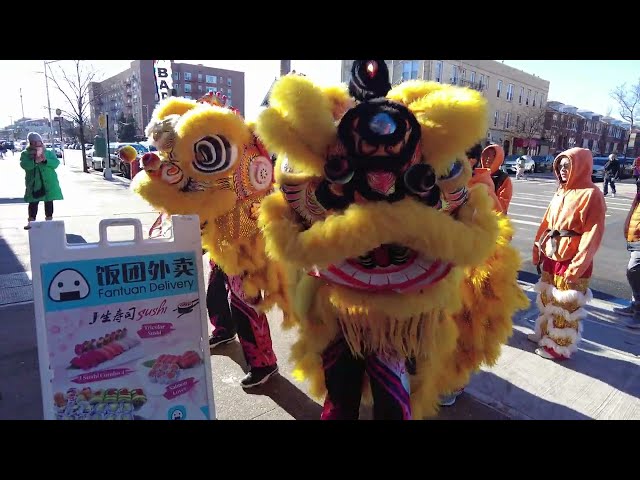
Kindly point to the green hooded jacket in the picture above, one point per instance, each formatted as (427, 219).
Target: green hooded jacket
(33, 178)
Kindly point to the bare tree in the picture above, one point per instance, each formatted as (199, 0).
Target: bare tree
(628, 100)
(529, 125)
(75, 88)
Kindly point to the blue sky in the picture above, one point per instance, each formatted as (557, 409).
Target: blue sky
(583, 83)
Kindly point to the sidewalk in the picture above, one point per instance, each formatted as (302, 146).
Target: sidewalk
(602, 381)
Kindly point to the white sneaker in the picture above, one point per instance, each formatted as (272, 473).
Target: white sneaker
(613, 195)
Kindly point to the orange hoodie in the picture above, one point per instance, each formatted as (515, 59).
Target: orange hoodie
(482, 176)
(577, 205)
(504, 191)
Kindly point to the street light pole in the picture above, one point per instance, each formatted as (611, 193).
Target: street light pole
(285, 67)
(22, 104)
(46, 79)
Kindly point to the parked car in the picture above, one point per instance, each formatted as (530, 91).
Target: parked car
(544, 163)
(509, 164)
(598, 168)
(626, 165)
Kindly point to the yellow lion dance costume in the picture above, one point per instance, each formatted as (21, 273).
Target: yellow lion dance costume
(211, 164)
(402, 279)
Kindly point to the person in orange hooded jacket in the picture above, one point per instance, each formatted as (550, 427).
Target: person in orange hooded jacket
(565, 245)
(485, 165)
(482, 175)
(491, 159)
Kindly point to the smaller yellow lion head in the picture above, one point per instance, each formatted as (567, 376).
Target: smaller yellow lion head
(208, 160)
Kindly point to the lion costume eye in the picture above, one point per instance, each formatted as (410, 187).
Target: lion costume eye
(214, 154)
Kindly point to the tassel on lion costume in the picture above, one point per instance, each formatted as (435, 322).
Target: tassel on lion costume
(396, 269)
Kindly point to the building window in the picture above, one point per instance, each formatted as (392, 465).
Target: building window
(176, 86)
(528, 95)
(454, 75)
(510, 92)
(199, 77)
(187, 76)
(211, 89)
(211, 79)
(228, 91)
(438, 72)
(188, 96)
(472, 77)
(187, 88)
(463, 76)
(496, 116)
(482, 80)
(535, 98)
(518, 122)
(199, 88)
(410, 70)
(228, 82)
(499, 88)
(541, 100)
(507, 119)
(176, 75)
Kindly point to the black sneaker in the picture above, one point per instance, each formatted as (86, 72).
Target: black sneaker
(220, 339)
(258, 376)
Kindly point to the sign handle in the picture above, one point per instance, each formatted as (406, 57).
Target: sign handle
(119, 222)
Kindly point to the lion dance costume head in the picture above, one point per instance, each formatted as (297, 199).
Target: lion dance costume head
(383, 242)
(210, 163)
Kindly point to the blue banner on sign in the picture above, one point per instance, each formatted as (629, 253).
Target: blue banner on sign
(69, 285)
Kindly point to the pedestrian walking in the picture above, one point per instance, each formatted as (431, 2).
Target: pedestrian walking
(611, 174)
(632, 235)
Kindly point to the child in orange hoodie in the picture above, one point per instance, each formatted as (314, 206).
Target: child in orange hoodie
(482, 175)
(491, 159)
(565, 245)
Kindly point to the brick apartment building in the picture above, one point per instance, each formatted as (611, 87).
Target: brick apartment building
(566, 126)
(516, 99)
(133, 91)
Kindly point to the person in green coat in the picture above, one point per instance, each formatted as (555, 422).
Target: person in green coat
(41, 180)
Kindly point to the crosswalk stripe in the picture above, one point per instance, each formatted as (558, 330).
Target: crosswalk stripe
(525, 222)
(527, 205)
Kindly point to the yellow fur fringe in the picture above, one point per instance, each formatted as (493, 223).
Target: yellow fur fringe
(454, 345)
(363, 227)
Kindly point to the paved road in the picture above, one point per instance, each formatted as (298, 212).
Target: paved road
(530, 201)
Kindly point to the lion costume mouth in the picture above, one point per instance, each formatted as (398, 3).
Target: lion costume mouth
(387, 268)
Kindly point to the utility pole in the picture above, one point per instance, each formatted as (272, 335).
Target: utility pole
(46, 79)
(285, 67)
(21, 103)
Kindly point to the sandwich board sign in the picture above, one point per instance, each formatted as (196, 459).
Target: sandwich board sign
(122, 331)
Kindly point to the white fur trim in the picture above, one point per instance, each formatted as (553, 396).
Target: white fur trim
(568, 333)
(566, 351)
(541, 286)
(539, 320)
(579, 314)
(569, 296)
(541, 306)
